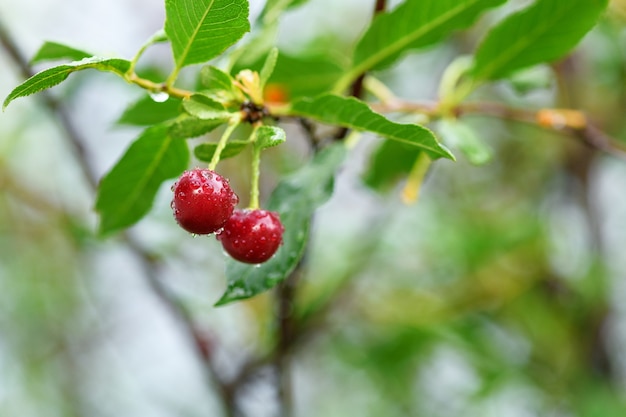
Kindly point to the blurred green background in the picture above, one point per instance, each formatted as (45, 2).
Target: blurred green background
(500, 293)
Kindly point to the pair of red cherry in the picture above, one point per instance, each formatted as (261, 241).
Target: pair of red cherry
(204, 203)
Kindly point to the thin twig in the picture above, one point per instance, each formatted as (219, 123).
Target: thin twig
(380, 6)
(356, 89)
(596, 138)
(583, 129)
(71, 133)
(286, 295)
(288, 333)
(310, 132)
(300, 327)
(578, 165)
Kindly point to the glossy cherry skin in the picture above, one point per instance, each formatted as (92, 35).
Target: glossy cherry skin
(252, 236)
(203, 201)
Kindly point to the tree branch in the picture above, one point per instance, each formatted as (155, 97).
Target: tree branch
(286, 295)
(71, 133)
(149, 263)
(572, 122)
(356, 89)
(380, 7)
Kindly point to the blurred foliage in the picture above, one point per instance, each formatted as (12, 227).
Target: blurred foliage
(42, 322)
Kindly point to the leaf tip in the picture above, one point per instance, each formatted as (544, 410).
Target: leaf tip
(105, 228)
(102, 232)
(446, 153)
(229, 297)
(222, 301)
(6, 102)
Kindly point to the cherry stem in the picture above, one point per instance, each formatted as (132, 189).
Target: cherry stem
(256, 172)
(222, 144)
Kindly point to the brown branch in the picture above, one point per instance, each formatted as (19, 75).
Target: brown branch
(572, 122)
(593, 324)
(71, 133)
(286, 326)
(356, 89)
(296, 328)
(380, 6)
(310, 132)
(199, 340)
(288, 333)
(597, 139)
(149, 263)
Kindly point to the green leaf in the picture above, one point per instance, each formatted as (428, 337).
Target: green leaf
(306, 76)
(126, 193)
(186, 126)
(459, 135)
(204, 152)
(298, 76)
(51, 51)
(258, 44)
(544, 32)
(413, 24)
(214, 78)
(53, 76)
(202, 29)
(295, 199)
(269, 136)
(389, 163)
(268, 67)
(354, 114)
(220, 84)
(147, 112)
(538, 77)
(204, 107)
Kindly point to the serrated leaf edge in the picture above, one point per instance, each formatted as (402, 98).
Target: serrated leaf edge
(91, 62)
(440, 150)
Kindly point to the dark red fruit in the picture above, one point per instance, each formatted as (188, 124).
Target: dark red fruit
(203, 201)
(252, 236)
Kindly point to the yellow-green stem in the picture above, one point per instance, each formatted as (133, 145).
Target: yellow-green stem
(171, 79)
(378, 89)
(159, 36)
(453, 89)
(413, 186)
(352, 139)
(256, 172)
(157, 88)
(232, 125)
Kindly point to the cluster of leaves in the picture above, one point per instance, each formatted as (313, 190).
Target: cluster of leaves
(200, 31)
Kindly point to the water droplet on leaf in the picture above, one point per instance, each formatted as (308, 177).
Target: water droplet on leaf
(159, 97)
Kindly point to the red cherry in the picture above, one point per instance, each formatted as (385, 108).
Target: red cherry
(203, 201)
(252, 236)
